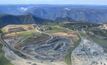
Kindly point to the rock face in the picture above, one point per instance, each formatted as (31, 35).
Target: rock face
(88, 53)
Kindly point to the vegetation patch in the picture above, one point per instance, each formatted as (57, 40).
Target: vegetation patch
(68, 56)
(102, 42)
(3, 60)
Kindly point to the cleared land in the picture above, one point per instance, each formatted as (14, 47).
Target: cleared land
(52, 42)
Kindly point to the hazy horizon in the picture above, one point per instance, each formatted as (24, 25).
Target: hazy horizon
(54, 2)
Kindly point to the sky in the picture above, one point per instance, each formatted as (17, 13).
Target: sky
(86, 2)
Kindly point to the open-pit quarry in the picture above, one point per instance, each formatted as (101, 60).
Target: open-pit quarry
(28, 45)
(36, 48)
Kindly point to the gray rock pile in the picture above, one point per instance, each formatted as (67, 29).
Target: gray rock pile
(88, 53)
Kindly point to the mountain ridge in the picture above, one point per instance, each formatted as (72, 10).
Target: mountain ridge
(52, 13)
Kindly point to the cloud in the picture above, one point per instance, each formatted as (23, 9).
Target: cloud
(23, 8)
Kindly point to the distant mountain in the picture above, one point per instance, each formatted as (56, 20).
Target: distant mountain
(42, 13)
(20, 19)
